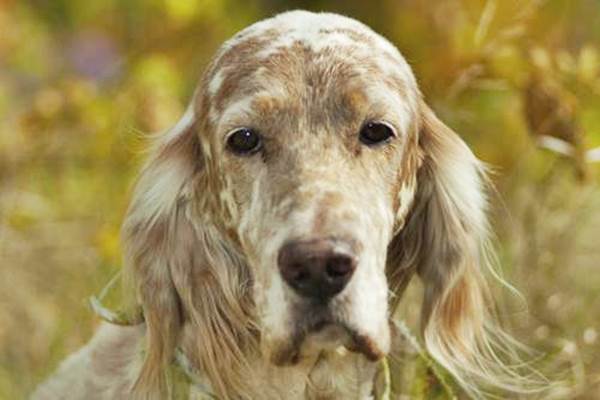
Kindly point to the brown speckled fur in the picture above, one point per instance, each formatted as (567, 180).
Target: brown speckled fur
(204, 227)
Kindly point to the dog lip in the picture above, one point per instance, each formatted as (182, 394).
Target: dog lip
(366, 346)
(355, 342)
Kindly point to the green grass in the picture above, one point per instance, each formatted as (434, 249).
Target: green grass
(70, 147)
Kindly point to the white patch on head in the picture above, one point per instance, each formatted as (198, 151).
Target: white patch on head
(217, 80)
(311, 37)
(406, 196)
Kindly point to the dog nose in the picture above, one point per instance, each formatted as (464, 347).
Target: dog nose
(317, 269)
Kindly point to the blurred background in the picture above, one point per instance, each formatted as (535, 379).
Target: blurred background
(82, 81)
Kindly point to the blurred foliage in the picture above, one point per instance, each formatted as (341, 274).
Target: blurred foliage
(81, 81)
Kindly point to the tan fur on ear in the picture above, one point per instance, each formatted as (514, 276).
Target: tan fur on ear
(150, 224)
(183, 272)
(444, 241)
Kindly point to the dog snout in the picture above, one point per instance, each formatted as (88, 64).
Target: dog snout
(317, 269)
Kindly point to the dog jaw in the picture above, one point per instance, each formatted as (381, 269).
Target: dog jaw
(295, 330)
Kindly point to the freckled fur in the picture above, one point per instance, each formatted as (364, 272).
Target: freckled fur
(204, 227)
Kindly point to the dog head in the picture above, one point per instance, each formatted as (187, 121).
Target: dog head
(310, 123)
(305, 185)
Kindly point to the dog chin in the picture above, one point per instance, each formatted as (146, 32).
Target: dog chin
(328, 337)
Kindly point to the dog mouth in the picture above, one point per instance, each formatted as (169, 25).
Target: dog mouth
(322, 333)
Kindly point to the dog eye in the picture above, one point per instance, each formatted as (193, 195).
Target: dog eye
(375, 132)
(244, 141)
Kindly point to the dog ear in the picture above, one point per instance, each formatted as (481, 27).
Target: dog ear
(152, 232)
(185, 272)
(444, 240)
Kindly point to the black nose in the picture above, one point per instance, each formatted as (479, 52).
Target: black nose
(318, 268)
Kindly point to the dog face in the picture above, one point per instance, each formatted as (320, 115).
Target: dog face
(309, 119)
(306, 183)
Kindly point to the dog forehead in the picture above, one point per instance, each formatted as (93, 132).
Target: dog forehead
(324, 34)
(314, 30)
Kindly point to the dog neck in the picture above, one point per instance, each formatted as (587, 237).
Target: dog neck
(337, 374)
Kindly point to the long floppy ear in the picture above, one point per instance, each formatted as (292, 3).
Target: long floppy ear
(444, 241)
(186, 275)
(151, 223)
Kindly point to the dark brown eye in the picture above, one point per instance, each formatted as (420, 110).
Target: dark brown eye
(244, 141)
(373, 133)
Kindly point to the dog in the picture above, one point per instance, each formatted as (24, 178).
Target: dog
(275, 227)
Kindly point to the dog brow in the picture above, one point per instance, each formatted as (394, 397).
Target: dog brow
(262, 44)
